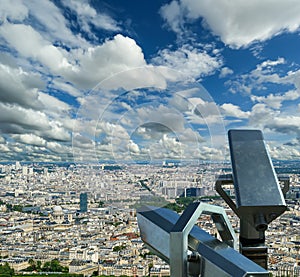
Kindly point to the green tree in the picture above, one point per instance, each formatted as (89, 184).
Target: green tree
(17, 208)
(149, 267)
(54, 266)
(32, 265)
(119, 248)
(6, 270)
(46, 267)
(38, 265)
(101, 203)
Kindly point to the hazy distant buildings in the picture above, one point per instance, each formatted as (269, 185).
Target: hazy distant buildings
(83, 202)
(172, 192)
(193, 192)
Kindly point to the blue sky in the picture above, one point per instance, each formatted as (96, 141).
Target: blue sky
(147, 80)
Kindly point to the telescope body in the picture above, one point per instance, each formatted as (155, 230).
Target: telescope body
(258, 196)
(259, 199)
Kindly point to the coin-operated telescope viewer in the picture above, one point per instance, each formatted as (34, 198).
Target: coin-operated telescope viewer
(258, 196)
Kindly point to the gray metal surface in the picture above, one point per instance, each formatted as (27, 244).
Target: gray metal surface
(257, 190)
(217, 257)
(258, 196)
(182, 228)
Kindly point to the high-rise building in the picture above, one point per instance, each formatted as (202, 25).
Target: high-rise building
(83, 202)
(24, 170)
(193, 192)
(18, 166)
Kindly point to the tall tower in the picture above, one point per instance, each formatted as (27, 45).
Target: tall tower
(83, 202)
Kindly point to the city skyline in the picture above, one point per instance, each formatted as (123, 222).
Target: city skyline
(141, 81)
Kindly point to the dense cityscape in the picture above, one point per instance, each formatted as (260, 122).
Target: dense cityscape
(84, 216)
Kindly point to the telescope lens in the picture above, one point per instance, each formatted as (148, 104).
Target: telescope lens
(261, 227)
(260, 223)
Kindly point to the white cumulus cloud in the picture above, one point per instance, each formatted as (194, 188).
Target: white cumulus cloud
(29, 43)
(190, 62)
(238, 23)
(31, 139)
(231, 110)
(13, 10)
(88, 16)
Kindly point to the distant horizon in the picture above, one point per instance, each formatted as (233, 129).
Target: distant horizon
(112, 162)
